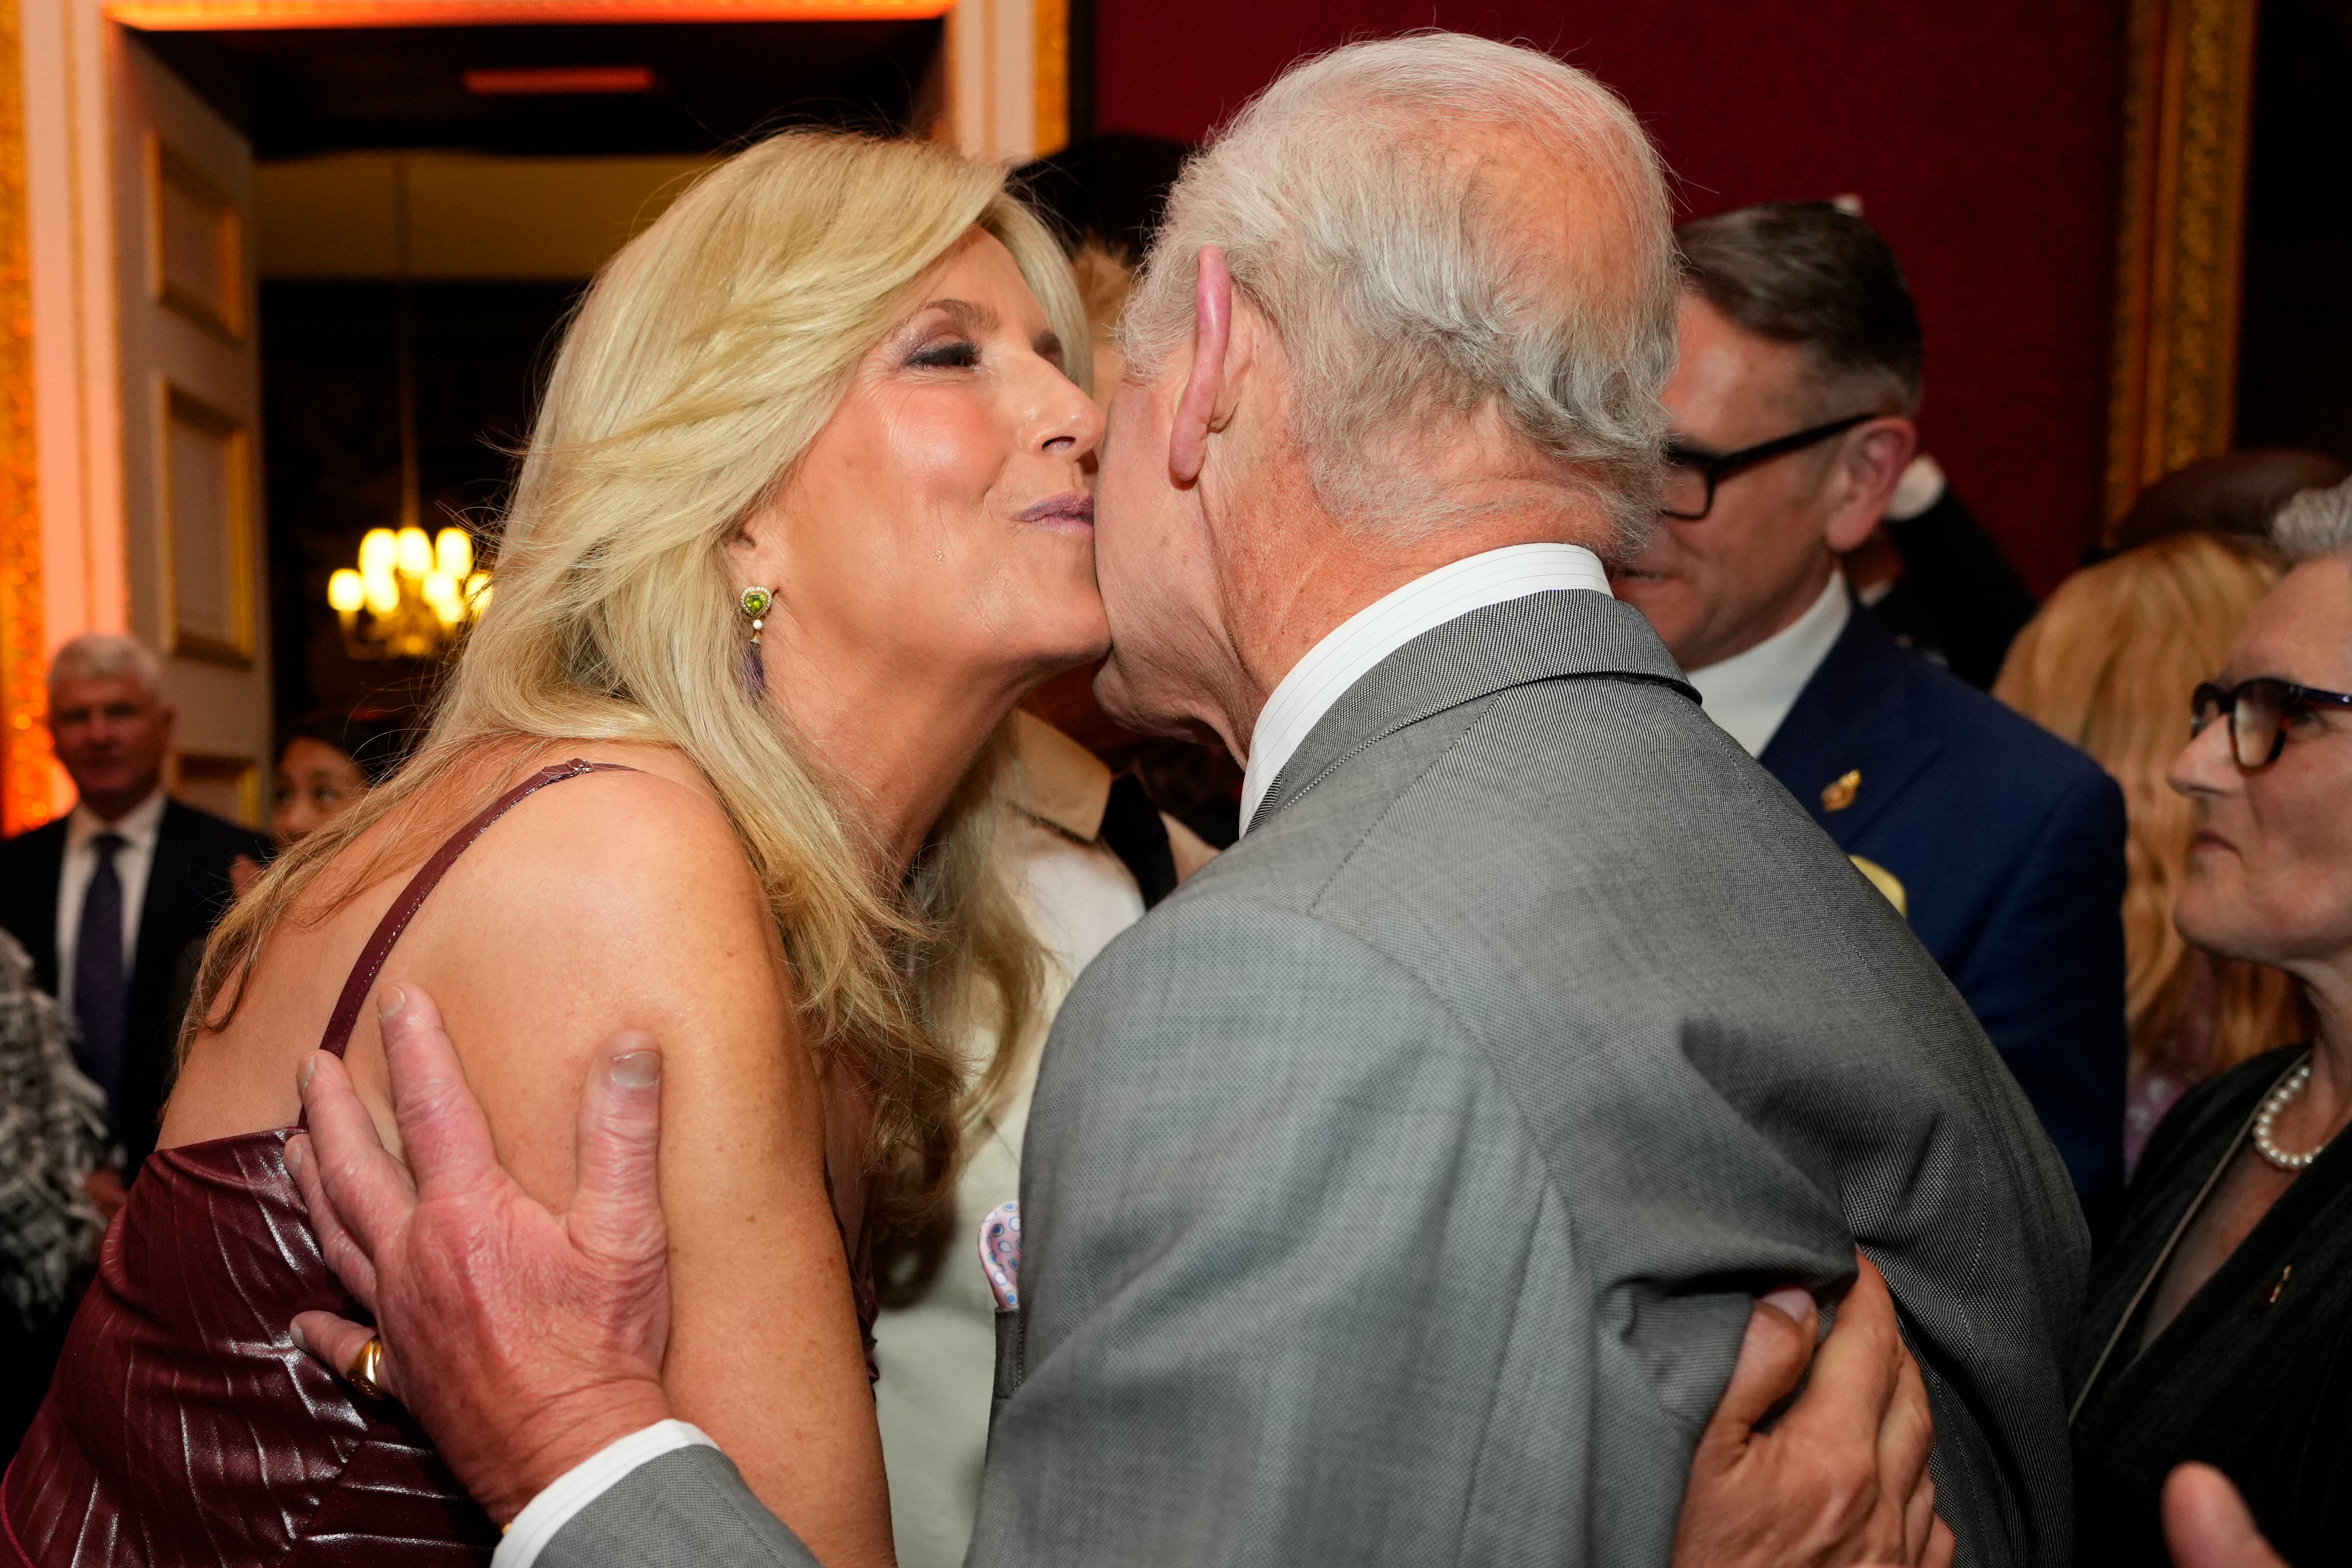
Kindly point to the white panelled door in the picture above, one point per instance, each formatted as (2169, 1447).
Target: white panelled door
(191, 425)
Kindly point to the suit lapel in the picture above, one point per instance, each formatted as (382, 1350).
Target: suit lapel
(1543, 636)
(1851, 719)
(35, 900)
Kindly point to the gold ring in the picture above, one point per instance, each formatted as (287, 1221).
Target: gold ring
(366, 1367)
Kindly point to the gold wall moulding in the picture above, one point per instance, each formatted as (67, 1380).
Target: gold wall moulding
(1050, 31)
(2188, 105)
(25, 760)
(205, 462)
(226, 786)
(195, 244)
(216, 16)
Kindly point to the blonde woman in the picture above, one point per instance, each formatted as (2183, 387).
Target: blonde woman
(806, 510)
(2103, 666)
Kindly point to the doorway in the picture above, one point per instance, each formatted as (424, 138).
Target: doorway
(425, 206)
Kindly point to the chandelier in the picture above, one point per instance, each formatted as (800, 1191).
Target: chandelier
(411, 595)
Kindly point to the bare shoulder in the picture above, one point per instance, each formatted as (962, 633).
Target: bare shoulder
(614, 901)
(619, 884)
(608, 845)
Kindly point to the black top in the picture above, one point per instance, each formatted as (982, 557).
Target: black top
(2253, 1377)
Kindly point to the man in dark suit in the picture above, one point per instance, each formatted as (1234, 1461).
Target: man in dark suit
(1800, 372)
(107, 899)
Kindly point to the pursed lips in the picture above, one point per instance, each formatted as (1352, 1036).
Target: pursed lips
(1073, 512)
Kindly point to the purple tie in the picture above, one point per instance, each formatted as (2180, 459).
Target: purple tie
(99, 980)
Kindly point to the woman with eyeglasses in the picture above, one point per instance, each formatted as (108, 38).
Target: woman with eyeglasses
(2219, 1327)
(2101, 666)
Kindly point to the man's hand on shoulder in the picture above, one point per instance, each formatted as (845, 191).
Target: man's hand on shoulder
(523, 1341)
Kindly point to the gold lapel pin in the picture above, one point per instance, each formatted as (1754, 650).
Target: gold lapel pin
(1837, 795)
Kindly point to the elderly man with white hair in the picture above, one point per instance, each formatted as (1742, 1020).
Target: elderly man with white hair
(106, 897)
(1402, 1188)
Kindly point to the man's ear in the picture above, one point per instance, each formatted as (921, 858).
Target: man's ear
(1207, 399)
(1869, 468)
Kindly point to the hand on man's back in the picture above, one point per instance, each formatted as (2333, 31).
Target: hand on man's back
(525, 1341)
(1841, 1477)
(2207, 1525)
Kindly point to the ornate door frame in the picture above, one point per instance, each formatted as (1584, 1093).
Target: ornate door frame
(2188, 111)
(24, 733)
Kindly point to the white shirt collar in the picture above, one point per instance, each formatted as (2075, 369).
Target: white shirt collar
(1750, 693)
(138, 826)
(1350, 651)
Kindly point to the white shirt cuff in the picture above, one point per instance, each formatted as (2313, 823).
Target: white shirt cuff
(551, 1510)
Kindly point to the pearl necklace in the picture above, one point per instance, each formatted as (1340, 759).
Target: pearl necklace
(2279, 1099)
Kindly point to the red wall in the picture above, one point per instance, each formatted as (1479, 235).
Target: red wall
(1982, 137)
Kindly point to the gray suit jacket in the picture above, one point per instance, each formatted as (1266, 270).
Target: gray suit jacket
(1396, 1191)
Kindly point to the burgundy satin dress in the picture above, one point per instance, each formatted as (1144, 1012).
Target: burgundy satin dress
(182, 1426)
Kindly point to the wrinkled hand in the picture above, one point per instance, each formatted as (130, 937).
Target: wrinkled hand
(1842, 1477)
(523, 1341)
(2206, 1523)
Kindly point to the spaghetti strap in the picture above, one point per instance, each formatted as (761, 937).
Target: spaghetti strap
(412, 898)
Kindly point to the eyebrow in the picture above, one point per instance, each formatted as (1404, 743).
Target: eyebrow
(972, 317)
(976, 317)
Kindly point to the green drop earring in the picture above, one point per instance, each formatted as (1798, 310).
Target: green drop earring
(756, 605)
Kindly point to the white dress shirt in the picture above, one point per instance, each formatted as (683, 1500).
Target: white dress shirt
(1362, 641)
(1750, 693)
(138, 829)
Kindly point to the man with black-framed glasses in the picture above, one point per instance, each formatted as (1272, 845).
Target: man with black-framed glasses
(1792, 413)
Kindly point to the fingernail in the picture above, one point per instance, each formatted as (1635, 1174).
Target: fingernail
(302, 1074)
(637, 1069)
(294, 1156)
(389, 1001)
(1792, 1300)
(294, 1331)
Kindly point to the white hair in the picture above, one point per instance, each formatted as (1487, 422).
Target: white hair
(1371, 207)
(2314, 521)
(108, 656)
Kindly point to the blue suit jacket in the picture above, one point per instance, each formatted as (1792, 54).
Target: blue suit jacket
(2010, 846)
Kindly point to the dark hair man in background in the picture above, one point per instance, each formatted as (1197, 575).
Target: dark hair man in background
(105, 898)
(1791, 407)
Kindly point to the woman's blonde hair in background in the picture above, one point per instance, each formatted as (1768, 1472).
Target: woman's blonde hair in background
(699, 368)
(2109, 665)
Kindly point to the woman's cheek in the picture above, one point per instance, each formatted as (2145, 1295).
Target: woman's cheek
(950, 446)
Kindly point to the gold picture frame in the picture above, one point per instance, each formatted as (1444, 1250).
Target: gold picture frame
(2188, 121)
(234, 643)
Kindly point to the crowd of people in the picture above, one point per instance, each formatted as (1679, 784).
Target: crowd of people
(1669, 1068)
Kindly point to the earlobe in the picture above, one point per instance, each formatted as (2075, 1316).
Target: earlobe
(1205, 387)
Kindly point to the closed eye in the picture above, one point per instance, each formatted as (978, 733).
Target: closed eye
(956, 353)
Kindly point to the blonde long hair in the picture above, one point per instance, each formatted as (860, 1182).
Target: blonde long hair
(2109, 665)
(702, 364)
